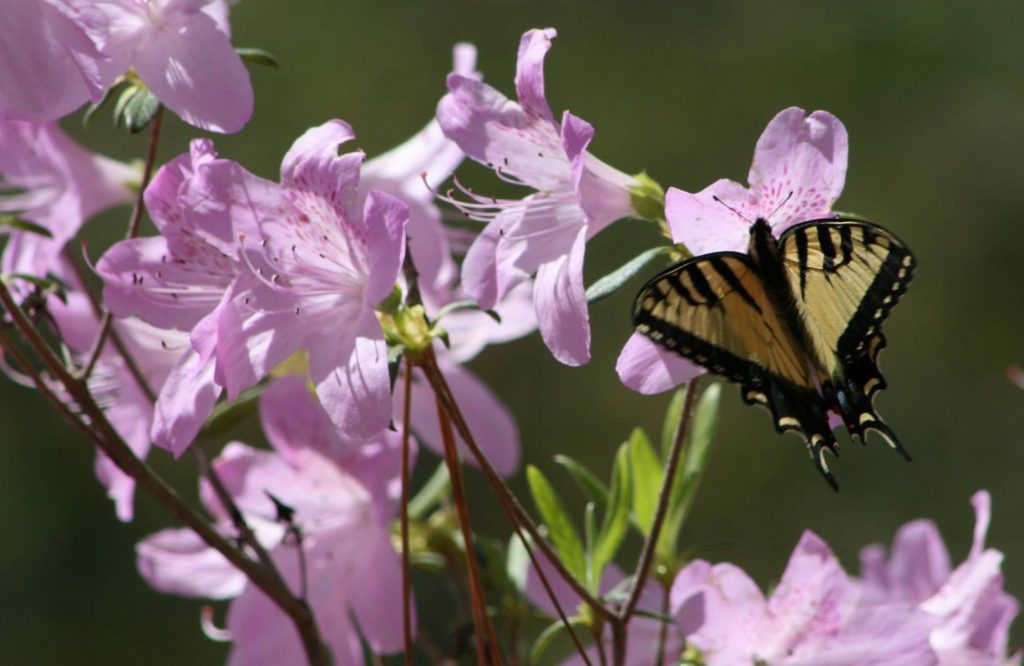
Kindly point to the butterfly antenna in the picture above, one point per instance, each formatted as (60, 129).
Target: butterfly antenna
(779, 207)
(735, 212)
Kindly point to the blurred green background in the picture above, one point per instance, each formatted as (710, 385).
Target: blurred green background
(931, 93)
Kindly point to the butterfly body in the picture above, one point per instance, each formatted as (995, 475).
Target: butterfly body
(795, 322)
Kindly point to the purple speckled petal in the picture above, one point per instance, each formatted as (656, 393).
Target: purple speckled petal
(533, 47)
(704, 225)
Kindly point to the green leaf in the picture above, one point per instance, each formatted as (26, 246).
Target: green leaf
(563, 534)
(136, 108)
(673, 416)
(111, 92)
(591, 486)
(698, 449)
(647, 476)
(256, 56)
(589, 538)
(548, 636)
(616, 517)
(612, 282)
(430, 494)
(228, 414)
(18, 224)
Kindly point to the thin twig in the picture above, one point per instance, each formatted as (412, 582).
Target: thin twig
(513, 509)
(659, 655)
(664, 499)
(483, 631)
(107, 319)
(406, 582)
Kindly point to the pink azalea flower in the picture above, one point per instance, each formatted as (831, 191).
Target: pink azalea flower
(50, 63)
(320, 263)
(179, 281)
(343, 495)
(909, 610)
(56, 184)
(798, 172)
(546, 232)
(643, 632)
(429, 155)
(183, 54)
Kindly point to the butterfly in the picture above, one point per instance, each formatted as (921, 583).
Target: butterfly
(796, 322)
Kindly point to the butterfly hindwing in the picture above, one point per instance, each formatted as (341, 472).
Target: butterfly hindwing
(845, 277)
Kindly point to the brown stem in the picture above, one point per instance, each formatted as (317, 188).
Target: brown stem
(513, 509)
(619, 638)
(107, 320)
(664, 499)
(483, 630)
(406, 583)
(659, 655)
(103, 435)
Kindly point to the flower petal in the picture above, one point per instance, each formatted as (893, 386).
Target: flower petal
(704, 225)
(384, 217)
(312, 163)
(533, 47)
(376, 599)
(192, 68)
(185, 402)
(357, 395)
(561, 303)
(918, 566)
(179, 562)
(292, 418)
(648, 368)
(480, 266)
(799, 166)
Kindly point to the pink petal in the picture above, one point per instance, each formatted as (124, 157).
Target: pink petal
(192, 68)
(493, 427)
(357, 394)
(530, 73)
(479, 268)
(919, 563)
(250, 345)
(648, 368)
(292, 417)
(384, 217)
(179, 562)
(47, 67)
(537, 594)
(131, 415)
(185, 402)
(375, 592)
(464, 59)
(312, 163)
(704, 225)
(804, 155)
(470, 331)
(982, 503)
(561, 304)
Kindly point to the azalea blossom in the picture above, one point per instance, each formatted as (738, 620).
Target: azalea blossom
(910, 610)
(798, 172)
(180, 281)
(60, 53)
(546, 232)
(343, 495)
(51, 181)
(318, 263)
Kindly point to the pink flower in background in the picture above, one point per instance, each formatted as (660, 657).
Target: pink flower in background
(49, 62)
(318, 264)
(48, 179)
(59, 53)
(909, 610)
(179, 281)
(798, 172)
(546, 232)
(343, 495)
(430, 156)
(112, 384)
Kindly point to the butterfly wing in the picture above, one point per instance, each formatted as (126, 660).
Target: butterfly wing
(715, 310)
(846, 276)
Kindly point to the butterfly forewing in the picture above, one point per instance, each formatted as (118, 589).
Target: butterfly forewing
(714, 310)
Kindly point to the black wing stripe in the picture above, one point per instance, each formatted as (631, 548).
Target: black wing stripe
(801, 253)
(701, 284)
(845, 245)
(828, 250)
(727, 274)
